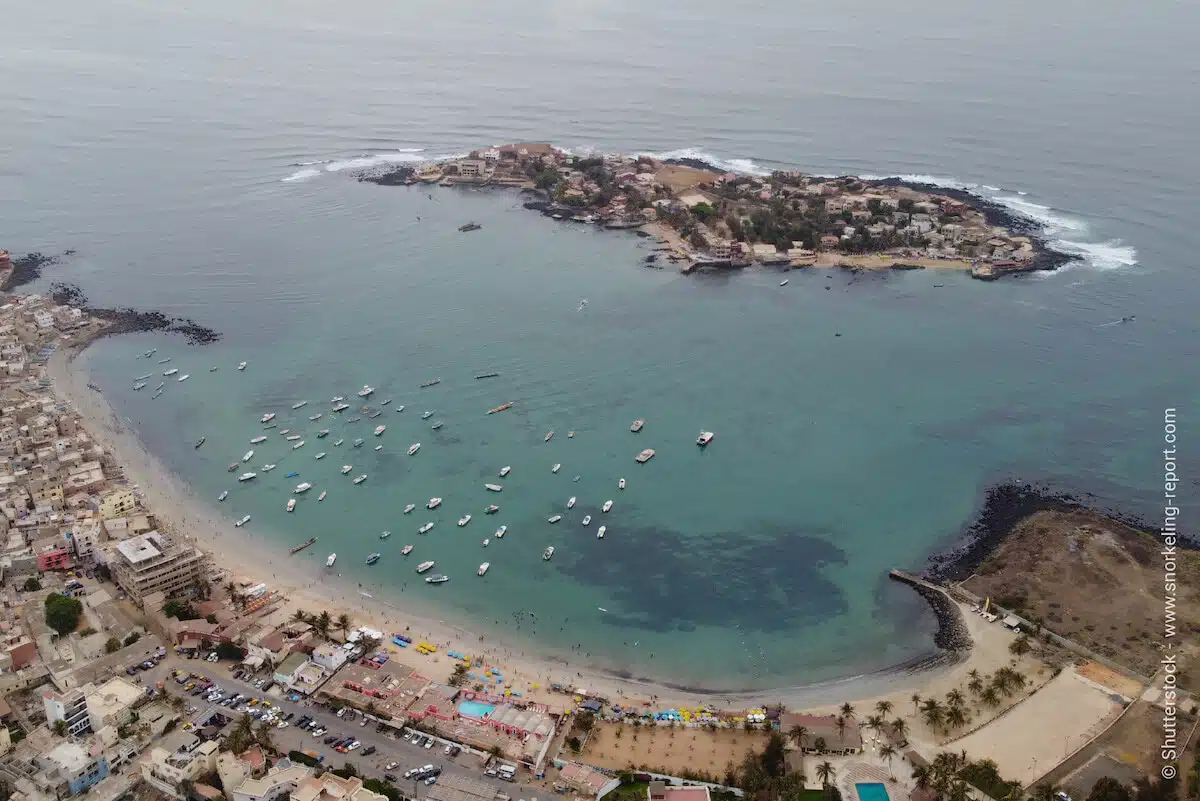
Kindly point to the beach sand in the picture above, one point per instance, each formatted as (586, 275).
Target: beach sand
(244, 556)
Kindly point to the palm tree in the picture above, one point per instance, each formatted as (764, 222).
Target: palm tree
(990, 696)
(231, 589)
(300, 616)
(933, 713)
(899, 728)
(874, 722)
(887, 752)
(1018, 680)
(847, 710)
(884, 708)
(973, 673)
(958, 792)
(975, 685)
(322, 624)
(956, 716)
(343, 624)
(955, 698)
(819, 745)
(263, 736)
(1044, 792)
(916, 702)
(922, 776)
(825, 773)
(841, 726)
(797, 735)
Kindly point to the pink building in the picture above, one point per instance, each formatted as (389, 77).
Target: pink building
(54, 557)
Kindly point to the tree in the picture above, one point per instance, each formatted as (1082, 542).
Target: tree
(112, 645)
(797, 735)
(840, 723)
(884, 708)
(241, 737)
(133, 637)
(496, 751)
(819, 745)
(773, 755)
(916, 702)
(933, 713)
(574, 744)
(874, 722)
(825, 773)
(703, 211)
(990, 696)
(887, 752)
(1045, 792)
(63, 613)
(300, 616)
(1020, 646)
(899, 728)
(234, 593)
(956, 716)
(32, 585)
(955, 698)
(922, 776)
(262, 735)
(211, 618)
(5, 789)
(343, 624)
(322, 623)
(60, 728)
(227, 650)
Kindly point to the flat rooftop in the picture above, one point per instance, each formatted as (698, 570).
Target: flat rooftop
(137, 550)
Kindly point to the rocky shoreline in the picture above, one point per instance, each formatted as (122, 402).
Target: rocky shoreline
(127, 320)
(28, 268)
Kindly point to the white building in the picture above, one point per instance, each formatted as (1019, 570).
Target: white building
(85, 537)
(70, 707)
(329, 656)
(167, 770)
(281, 780)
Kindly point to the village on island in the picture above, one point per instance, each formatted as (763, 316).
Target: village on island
(710, 219)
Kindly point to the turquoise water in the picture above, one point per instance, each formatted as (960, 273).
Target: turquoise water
(871, 791)
(474, 709)
(177, 150)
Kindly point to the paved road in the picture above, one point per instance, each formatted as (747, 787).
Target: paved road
(389, 748)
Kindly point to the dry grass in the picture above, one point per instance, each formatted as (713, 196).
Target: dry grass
(677, 177)
(670, 749)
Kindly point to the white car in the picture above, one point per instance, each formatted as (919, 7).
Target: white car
(391, 766)
(353, 745)
(341, 712)
(429, 742)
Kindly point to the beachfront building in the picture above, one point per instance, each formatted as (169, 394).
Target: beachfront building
(167, 771)
(53, 553)
(117, 502)
(85, 537)
(300, 674)
(71, 769)
(661, 791)
(280, 781)
(823, 734)
(330, 657)
(328, 787)
(152, 563)
(112, 703)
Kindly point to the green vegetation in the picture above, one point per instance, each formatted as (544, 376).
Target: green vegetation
(227, 650)
(112, 645)
(383, 788)
(62, 613)
(88, 632)
(301, 758)
(32, 585)
(459, 676)
(133, 637)
(984, 776)
(211, 618)
(60, 728)
(180, 610)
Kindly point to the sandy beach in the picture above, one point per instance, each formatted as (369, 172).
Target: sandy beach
(242, 555)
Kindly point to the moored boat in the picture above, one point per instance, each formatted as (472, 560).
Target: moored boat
(433, 503)
(546, 554)
(267, 468)
(337, 399)
(330, 560)
(372, 559)
(426, 414)
(406, 550)
(234, 466)
(242, 522)
(587, 520)
(504, 471)
(416, 446)
(494, 487)
(241, 365)
(500, 532)
(360, 479)
(607, 505)
(704, 438)
(644, 456)
(302, 488)
(436, 426)
(556, 468)
(491, 510)
(637, 426)
(140, 385)
(600, 532)
(321, 497)
(172, 371)
(314, 417)
(486, 541)
(291, 504)
(321, 455)
(386, 402)
(303, 545)
(483, 568)
(258, 439)
(379, 430)
(299, 404)
(462, 521)
(247, 476)
(549, 434)
(366, 391)
(621, 484)
(553, 518)
(409, 507)
(184, 377)
(339, 442)
(421, 568)
(224, 494)
(299, 444)
(346, 468)
(143, 377)
(341, 407)
(571, 502)
(431, 383)
(358, 443)
(323, 433)
(437, 578)
(384, 535)
(266, 418)
(200, 442)
(425, 529)
(290, 437)
(500, 408)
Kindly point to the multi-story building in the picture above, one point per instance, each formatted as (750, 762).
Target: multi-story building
(152, 563)
(111, 704)
(116, 502)
(70, 707)
(168, 770)
(279, 782)
(86, 536)
(71, 768)
(329, 656)
(53, 553)
(328, 787)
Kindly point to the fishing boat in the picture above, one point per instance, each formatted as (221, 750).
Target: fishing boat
(323, 433)
(437, 578)
(302, 488)
(308, 542)
(704, 438)
(621, 484)
(143, 377)
(150, 352)
(366, 391)
(483, 568)
(504, 471)
(379, 430)
(493, 487)
(644, 456)
(571, 502)
(300, 404)
(298, 445)
(421, 568)
(321, 455)
(156, 394)
(358, 443)
(556, 468)
(406, 550)
(241, 365)
(172, 371)
(321, 497)
(267, 468)
(637, 426)
(140, 385)
(409, 507)
(285, 431)
(184, 377)
(290, 437)
(291, 504)
(486, 375)
(353, 419)
(385, 535)
(546, 554)
(330, 560)
(249, 455)
(462, 521)
(224, 494)
(784, 282)
(372, 559)
(549, 434)
(337, 399)
(491, 510)
(386, 402)
(339, 442)
(234, 466)
(426, 415)
(553, 518)
(293, 474)
(416, 446)
(500, 408)
(360, 479)
(486, 542)
(266, 418)
(213, 369)
(500, 532)
(433, 503)
(271, 425)
(431, 383)
(607, 505)
(399, 408)
(242, 522)
(258, 439)
(314, 417)
(161, 384)
(600, 533)
(437, 425)
(164, 361)
(341, 407)
(587, 520)
(425, 529)
(200, 442)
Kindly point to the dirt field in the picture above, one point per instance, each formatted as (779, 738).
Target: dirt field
(677, 177)
(1094, 581)
(658, 747)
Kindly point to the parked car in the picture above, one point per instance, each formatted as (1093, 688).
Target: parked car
(390, 778)
(431, 780)
(391, 766)
(429, 742)
(370, 749)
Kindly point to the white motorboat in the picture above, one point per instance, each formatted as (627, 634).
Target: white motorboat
(140, 385)
(150, 352)
(433, 503)
(329, 561)
(302, 487)
(341, 407)
(427, 415)
(337, 399)
(249, 455)
(704, 438)
(247, 476)
(385, 535)
(549, 434)
(378, 447)
(406, 550)
(462, 521)
(258, 439)
(290, 437)
(504, 471)
(399, 408)
(483, 568)
(324, 432)
(360, 479)
(314, 417)
(267, 468)
(172, 371)
(242, 522)
(556, 468)
(486, 542)
(321, 455)
(358, 443)
(372, 559)
(321, 497)
(379, 430)
(587, 520)
(600, 533)
(300, 404)
(553, 518)
(283, 432)
(421, 568)
(494, 487)
(637, 426)
(416, 446)
(621, 484)
(571, 502)
(298, 445)
(784, 282)
(425, 529)
(437, 578)
(213, 369)
(266, 418)
(184, 377)
(339, 442)
(385, 402)
(500, 532)
(291, 504)
(365, 391)
(241, 365)
(143, 377)
(607, 505)
(223, 495)
(409, 507)
(546, 554)
(346, 468)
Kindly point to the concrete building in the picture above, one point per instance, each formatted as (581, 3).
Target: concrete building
(661, 791)
(70, 707)
(53, 553)
(117, 502)
(111, 704)
(823, 736)
(330, 657)
(152, 563)
(328, 787)
(281, 780)
(72, 768)
(85, 537)
(168, 770)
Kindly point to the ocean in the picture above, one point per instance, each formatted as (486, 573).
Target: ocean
(200, 161)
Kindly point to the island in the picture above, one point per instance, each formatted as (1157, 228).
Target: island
(707, 218)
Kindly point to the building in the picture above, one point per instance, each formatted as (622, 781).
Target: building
(85, 536)
(280, 781)
(300, 674)
(117, 502)
(112, 703)
(661, 791)
(391, 687)
(330, 657)
(168, 770)
(152, 563)
(70, 707)
(70, 765)
(822, 733)
(328, 787)
(53, 553)
(471, 168)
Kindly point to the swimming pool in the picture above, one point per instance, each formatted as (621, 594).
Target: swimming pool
(871, 791)
(475, 709)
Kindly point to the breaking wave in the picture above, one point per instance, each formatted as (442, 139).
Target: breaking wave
(404, 155)
(745, 166)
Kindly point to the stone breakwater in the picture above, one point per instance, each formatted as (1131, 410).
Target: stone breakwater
(952, 634)
(127, 320)
(28, 268)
